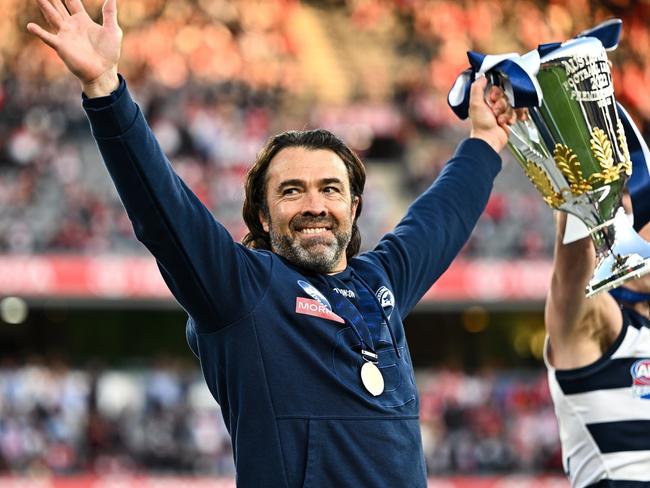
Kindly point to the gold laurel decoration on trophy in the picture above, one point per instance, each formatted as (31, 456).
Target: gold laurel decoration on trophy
(622, 140)
(568, 163)
(540, 180)
(601, 148)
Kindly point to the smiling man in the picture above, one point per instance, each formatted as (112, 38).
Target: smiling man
(309, 208)
(299, 337)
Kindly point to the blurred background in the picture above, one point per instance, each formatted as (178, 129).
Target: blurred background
(96, 380)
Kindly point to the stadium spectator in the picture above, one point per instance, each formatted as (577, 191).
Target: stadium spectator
(47, 220)
(109, 436)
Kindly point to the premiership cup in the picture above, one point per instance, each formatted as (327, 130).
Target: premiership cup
(574, 151)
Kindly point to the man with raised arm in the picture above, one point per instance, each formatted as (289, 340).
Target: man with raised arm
(598, 359)
(300, 339)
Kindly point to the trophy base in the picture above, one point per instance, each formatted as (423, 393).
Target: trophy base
(617, 273)
(627, 259)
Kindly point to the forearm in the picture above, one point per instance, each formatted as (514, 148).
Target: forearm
(196, 254)
(568, 310)
(451, 207)
(573, 263)
(440, 221)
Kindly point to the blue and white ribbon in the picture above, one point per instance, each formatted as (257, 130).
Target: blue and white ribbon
(518, 73)
(608, 33)
(639, 183)
(518, 76)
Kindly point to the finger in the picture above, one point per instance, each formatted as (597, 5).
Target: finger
(522, 113)
(109, 13)
(500, 106)
(477, 95)
(513, 117)
(51, 14)
(75, 6)
(45, 36)
(496, 93)
(58, 5)
(508, 117)
(478, 88)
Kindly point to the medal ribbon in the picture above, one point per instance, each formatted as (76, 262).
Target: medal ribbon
(346, 309)
(371, 309)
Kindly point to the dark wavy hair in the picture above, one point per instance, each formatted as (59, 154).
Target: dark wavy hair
(255, 188)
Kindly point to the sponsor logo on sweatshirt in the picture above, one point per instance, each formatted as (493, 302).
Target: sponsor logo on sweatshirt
(307, 306)
(313, 292)
(345, 293)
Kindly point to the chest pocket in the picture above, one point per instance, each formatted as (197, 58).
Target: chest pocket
(399, 387)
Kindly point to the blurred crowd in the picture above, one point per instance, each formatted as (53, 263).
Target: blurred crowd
(216, 78)
(161, 419)
(496, 421)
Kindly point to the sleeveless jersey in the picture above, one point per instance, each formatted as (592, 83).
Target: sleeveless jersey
(603, 412)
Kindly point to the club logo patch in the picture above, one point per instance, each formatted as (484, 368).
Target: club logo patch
(640, 371)
(386, 300)
(313, 292)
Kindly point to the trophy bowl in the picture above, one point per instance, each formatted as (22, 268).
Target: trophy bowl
(574, 151)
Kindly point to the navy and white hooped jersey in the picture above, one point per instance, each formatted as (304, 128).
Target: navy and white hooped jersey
(603, 411)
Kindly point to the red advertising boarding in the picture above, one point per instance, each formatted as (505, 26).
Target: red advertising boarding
(137, 277)
(141, 481)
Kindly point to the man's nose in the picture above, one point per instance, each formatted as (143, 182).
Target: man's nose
(314, 204)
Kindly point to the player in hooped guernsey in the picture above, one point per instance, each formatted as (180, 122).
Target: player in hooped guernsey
(598, 359)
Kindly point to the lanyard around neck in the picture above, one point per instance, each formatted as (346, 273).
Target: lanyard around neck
(346, 309)
(370, 307)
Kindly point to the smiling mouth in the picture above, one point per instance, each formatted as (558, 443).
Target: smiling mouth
(313, 230)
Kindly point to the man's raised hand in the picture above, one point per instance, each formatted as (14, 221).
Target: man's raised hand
(89, 50)
(491, 114)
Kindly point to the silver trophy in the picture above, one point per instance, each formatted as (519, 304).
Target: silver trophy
(574, 151)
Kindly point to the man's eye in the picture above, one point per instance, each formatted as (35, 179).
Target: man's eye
(289, 191)
(331, 189)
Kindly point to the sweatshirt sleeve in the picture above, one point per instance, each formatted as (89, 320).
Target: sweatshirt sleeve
(438, 223)
(216, 280)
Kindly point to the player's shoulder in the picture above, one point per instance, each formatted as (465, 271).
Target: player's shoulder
(579, 339)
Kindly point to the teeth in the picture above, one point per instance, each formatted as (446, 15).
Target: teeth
(313, 230)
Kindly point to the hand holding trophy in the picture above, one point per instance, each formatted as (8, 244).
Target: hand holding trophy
(573, 145)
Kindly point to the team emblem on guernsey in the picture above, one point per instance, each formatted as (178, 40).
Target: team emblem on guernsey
(386, 300)
(640, 371)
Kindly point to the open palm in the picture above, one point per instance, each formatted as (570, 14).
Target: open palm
(88, 49)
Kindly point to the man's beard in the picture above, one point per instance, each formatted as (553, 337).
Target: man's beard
(306, 256)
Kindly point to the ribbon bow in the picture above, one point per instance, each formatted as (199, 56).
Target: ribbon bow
(518, 76)
(518, 73)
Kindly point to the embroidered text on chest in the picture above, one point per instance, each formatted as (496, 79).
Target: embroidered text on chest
(345, 293)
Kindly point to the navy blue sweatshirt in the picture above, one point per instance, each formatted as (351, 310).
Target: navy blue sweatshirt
(286, 375)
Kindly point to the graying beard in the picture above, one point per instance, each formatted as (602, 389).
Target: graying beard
(298, 255)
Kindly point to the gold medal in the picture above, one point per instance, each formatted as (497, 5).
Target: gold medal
(372, 379)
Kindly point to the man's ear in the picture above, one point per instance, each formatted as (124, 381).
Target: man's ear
(264, 221)
(355, 205)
